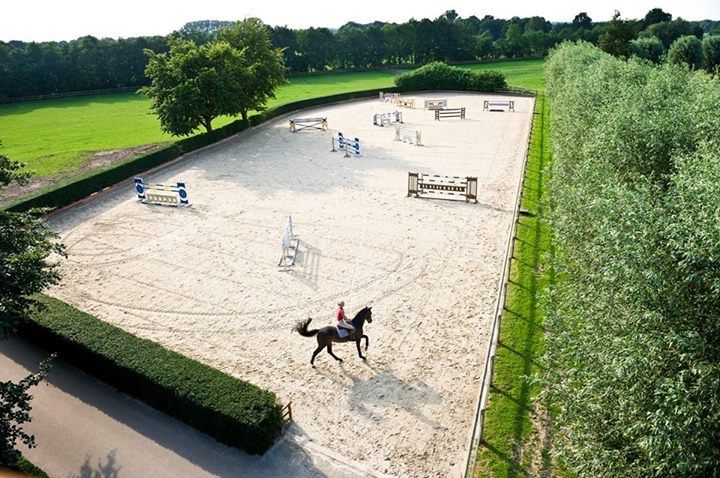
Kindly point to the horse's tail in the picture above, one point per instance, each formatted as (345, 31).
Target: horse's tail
(301, 328)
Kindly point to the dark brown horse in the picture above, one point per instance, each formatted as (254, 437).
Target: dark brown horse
(327, 335)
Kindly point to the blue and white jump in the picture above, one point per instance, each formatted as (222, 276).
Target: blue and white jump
(350, 147)
(163, 194)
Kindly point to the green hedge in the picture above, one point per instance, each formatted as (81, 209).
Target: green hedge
(632, 359)
(440, 76)
(233, 411)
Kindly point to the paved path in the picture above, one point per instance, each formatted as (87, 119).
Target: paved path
(87, 429)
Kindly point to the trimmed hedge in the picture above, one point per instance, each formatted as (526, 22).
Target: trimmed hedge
(232, 411)
(440, 76)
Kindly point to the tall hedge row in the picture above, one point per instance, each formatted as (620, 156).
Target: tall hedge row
(633, 362)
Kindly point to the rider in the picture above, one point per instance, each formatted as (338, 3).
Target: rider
(342, 322)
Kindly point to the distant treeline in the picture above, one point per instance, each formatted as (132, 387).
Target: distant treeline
(89, 63)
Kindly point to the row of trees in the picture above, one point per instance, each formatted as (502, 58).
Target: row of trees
(89, 63)
(632, 366)
(677, 41)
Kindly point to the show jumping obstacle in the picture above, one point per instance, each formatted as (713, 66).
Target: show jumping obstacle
(389, 97)
(290, 244)
(298, 124)
(497, 105)
(405, 102)
(435, 104)
(449, 113)
(163, 194)
(382, 119)
(350, 147)
(438, 186)
(408, 135)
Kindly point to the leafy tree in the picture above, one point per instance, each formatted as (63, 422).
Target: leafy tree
(265, 70)
(686, 50)
(670, 31)
(711, 53)
(26, 243)
(656, 15)
(648, 48)
(192, 85)
(14, 412)
(617, 37)
(582, 20)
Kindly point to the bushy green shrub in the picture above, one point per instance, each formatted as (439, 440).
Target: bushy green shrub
(440, 76)
(632, 364)
(231, 410)
(711, 53)
(648, 48)
(686, 50)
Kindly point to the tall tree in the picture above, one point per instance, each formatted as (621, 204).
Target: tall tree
(656, 15)
(617, 37)
(582, 20)
(192, 85)
(264, 65)
(26, 243)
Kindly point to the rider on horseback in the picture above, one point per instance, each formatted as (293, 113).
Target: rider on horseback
(342, 322)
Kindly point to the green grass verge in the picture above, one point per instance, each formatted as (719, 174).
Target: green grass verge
(512, 446)
(229, 409)
(58, 136)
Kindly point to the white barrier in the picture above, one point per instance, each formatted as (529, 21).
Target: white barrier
(389, 97)
(297, 124)
(382, 119)
(162, 194)
(435, 104)
(408, 135)
(290, 244)
(350, 147)
(498, 105)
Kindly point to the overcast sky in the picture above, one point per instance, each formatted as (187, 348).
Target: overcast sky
(41, 20)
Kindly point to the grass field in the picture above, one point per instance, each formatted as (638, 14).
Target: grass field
(58, 136)
(513, 441)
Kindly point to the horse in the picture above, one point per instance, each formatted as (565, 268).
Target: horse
(327, 335)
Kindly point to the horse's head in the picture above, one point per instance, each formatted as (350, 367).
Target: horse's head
(365, 315)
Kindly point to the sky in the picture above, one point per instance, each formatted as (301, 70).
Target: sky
(45, 20)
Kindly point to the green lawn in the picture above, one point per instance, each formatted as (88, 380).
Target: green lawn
(57, 136)
(512, 444)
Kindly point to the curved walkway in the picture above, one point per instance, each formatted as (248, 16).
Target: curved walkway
(87, 429)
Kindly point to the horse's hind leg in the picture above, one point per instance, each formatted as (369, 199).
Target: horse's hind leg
(332, 354)
(317, 351)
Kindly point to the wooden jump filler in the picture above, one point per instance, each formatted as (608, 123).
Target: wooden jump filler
(409, 135)
(449, 113)
(434, 186)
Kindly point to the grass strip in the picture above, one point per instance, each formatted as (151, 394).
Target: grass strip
(513, 444)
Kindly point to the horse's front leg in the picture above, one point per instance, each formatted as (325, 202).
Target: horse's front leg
(357, 343)
(367, 341)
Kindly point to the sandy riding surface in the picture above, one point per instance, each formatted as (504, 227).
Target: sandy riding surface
(204, 281)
